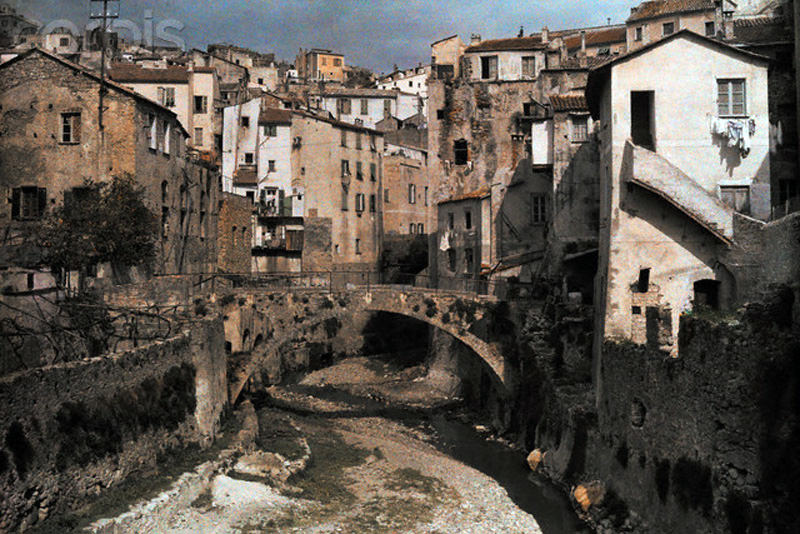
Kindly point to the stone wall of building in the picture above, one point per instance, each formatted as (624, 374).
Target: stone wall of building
(235, 234)
(71, 430)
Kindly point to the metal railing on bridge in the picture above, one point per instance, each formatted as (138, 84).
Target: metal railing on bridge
(333, 281)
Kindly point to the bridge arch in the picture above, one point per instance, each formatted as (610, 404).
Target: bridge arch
(453, 314)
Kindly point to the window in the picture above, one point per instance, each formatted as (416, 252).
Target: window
(358, 246)
(737, 197)
(461, 152)
(70, 128)
(271, 164)
(489, 68)
(731, 97)
(387, 108)
(261, 81)
(152, 132)
(364, 106)
(166, 96)
(469, 260)
(412, 228)
(359, 202)
(638, 34)
(64, 41)
(358, 141)
(28, 203)
(201, 104)
(345, 206)
(164, 192)
(643, 284)
(538, 209)
(412, 194)
(579, 131)
(710, 29)
(468, 219)
(373, 204)
(337, 62)
(421, 228)
(324, 61)
(440, 114)
(529, 66)
(668, 28)
(426, 196)
(248, 158)
(245, 122)
(359, 171)
(198, 136)
(344, 138)
(373, 172)
(345, 106)
(164, 222)
(451, 260)
(345, 167)
(411, 84)
(167, 137)
(271, 130)
(386, 195)
(451, 221)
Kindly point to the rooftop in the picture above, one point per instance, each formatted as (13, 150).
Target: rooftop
(478, 194)
(131, 73)
(659, 8)
(515, 43)
(569, 102)
(761, 30)
(599, 37)
(275, 116)
(357, 92)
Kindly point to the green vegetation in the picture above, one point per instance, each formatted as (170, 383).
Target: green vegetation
(100, 222)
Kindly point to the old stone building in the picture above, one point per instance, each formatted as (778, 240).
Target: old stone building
(463, 250)
(235, 234)
(683, 154)
(283, 160)
(319, 64)
(192, 92)
(53, 141)
(446, 57)
(492, 128)
(15, 28)
(407, 197)
(655, 19)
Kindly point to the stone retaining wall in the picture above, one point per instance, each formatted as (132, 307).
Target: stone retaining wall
(70, 430)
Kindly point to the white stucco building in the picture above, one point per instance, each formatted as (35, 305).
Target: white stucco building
(367, 107)
(412, 81)
(684, 160)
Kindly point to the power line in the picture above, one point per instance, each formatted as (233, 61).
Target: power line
(105, 17)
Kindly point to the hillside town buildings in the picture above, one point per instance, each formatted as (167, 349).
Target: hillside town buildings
(313, 164)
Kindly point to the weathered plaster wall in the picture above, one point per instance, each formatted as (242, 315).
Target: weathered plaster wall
(398, 211)
(73, 429)
(235, 234)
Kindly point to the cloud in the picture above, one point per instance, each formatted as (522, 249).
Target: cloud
(372, 33)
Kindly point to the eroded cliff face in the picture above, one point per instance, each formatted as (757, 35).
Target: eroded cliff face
(700, 443)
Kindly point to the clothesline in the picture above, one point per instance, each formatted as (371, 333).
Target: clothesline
(738, 132)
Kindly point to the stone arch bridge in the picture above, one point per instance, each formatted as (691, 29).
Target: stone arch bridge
(259, 322)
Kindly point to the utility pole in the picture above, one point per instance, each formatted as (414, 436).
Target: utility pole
(105, 17)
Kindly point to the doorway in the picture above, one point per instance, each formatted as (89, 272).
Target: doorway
(642, 119)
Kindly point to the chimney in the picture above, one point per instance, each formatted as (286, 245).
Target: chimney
(474, 39)
(545, 35)
(583, 41)
(634, 10)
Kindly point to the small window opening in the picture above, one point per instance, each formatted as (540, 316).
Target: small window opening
(706, 294)
(643, 285)
(461, 152)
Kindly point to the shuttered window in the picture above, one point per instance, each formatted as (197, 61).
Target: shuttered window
(28, 203)
(731, 97)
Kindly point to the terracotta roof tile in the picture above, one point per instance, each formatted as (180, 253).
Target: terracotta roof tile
(516, 43)
(472, 195)
(762, 30)
(657, 8)
(275, 116)
(130, 73)
(598, 38)
(569, 102)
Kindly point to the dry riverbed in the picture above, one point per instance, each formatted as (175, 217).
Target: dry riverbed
(342, 467)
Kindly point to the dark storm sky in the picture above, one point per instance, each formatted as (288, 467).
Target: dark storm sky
(371, 33)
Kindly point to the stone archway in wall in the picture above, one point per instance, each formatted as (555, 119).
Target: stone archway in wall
(438, 313)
